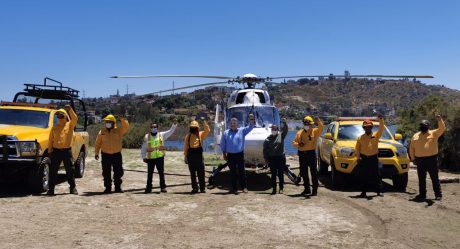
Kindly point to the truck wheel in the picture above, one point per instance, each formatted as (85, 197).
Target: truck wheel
(322, 166)
(39, 177)
(400, 182)
(80, 165)
(337, 178)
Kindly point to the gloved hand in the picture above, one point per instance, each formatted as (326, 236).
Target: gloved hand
(145, 160)
(185, 160)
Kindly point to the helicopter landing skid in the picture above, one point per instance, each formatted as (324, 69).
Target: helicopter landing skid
(291, 175)
(215, 172)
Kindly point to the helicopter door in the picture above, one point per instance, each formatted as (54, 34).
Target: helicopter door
(219, 127)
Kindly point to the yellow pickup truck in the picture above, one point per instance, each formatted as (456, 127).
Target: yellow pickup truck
(336, 149)
(24, 133)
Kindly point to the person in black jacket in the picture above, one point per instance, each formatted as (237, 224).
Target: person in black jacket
(274, 154)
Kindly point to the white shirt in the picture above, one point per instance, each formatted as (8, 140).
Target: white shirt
(164, 134)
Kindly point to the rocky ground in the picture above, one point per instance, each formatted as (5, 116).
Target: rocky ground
(216, 219)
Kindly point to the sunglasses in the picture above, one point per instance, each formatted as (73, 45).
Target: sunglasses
(60, 116)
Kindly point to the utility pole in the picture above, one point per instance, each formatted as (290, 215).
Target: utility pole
(173, 88)
(127, 89)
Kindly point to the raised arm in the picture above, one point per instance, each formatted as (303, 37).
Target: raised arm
(379, 133)
(320, 126)
(124, 125)
(168, 133)
(73, 117)
(204, 134)
(441, 127)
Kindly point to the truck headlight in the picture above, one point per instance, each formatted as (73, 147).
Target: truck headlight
(401, 151)
(28, 148)
(345, 151)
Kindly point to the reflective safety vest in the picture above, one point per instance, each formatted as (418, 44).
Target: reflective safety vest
(154, 146)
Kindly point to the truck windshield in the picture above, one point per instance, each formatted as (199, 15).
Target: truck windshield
(352, 132)
(24, 118)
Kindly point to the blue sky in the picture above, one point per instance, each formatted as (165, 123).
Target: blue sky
(82, 43)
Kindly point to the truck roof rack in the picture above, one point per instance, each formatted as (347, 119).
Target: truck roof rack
(50, 91)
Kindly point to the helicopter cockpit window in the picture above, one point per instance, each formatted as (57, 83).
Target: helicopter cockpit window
(265, 116)
(240, 98)
(261, 97)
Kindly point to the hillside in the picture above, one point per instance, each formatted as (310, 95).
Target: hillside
(354, 97)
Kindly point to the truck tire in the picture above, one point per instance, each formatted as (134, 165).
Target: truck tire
(39, 176)
(400, 182)
(337, 178)
(80, 165)
(322, 166)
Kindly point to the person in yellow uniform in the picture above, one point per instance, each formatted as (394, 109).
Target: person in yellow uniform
(193, 151)
(108, 142)
(424, 153)
(366, 150)
(59, 147)
(305, 142)
(153, 154)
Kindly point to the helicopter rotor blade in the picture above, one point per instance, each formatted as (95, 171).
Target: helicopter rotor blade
(356, 76)
(188, 87)
(172, 76)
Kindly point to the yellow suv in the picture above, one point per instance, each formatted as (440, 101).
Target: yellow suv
(336, 149)
(24, 133)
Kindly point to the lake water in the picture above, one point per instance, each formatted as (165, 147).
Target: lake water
(179, 144)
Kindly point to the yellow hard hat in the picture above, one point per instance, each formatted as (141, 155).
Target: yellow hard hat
(308, 119)
(194, 124)
(110, 118)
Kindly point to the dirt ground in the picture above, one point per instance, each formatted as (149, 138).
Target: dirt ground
(333, 219)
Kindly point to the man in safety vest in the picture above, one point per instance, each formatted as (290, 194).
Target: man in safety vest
(109, 142)
(305, 142)
(193, 151)
(59, 147)
(153, 153)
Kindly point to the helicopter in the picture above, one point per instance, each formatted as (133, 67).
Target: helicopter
(251, 100)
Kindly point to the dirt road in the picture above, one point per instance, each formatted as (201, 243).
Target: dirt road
(334, 219)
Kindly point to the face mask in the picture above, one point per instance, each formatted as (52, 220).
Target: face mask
(108, 125)
(154, 130)
(274, 133)
(306, 127)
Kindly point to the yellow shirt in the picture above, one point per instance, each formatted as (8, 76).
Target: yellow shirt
(194, 141)
(308, 138)
(369, 145)
(61, 134)
(426, 144)
(110, 141)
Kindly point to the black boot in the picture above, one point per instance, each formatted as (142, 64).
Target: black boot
(118, 189)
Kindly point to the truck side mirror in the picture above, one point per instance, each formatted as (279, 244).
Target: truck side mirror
(398, 136)
(328, 135)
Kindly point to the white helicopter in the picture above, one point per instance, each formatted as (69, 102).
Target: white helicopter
(243, 102)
